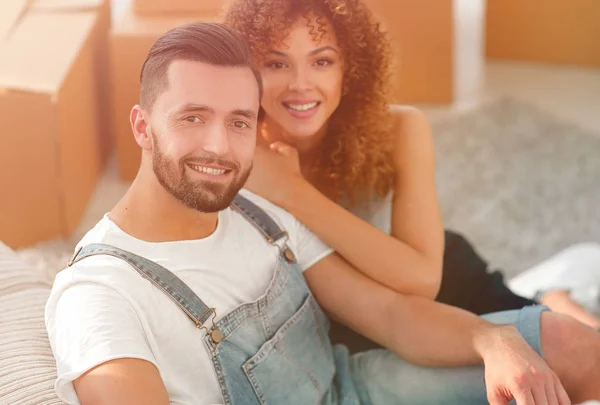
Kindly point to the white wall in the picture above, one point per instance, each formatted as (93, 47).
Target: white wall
(469, 56)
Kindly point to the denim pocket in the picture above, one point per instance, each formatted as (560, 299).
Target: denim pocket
(296, 366)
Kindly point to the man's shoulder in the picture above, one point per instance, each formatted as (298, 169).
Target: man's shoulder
(106, 232)
(307, 246)
(100, 269)
(99, 233)
(282, 217)
(286, 221)
(97, 269)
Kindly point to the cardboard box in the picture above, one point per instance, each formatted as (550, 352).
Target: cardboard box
(48, 126)
(10, 13)
(101, 55)
(554, 31)
(159, 8)
(131, 39)
(422, 34)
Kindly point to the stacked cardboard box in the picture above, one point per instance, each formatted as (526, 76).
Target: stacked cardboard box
(101, 56)
(10, 13)
(48, 126)
(554, 31)
(175, 7)
(131, 38)
(422, 34)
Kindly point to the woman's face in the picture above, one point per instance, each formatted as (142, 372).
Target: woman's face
(302, 82)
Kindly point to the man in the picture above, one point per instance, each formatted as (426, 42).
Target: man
(176, 297)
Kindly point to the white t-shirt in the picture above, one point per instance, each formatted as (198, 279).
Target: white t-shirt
(377, 211)
(101, 309)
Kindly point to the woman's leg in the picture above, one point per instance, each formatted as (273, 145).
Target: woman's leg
(561, 302)
(575, 269)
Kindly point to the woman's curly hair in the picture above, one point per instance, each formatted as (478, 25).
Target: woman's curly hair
(355, 157)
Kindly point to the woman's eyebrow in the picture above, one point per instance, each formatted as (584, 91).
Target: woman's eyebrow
(323, 49)
(313, 52)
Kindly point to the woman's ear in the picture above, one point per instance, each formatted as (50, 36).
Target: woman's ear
(140, 127)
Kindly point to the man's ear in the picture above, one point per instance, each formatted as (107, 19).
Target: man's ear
(140, 127)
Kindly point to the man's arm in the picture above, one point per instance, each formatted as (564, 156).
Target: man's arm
(419, 330)
(101, 347)
(122, 382)
(424, 332)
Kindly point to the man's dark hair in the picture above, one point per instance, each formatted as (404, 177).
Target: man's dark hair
(207, 42)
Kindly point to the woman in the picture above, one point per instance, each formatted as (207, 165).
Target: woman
(359, 175)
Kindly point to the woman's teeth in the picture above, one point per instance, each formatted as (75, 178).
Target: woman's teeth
(302, 107)
(208, 170)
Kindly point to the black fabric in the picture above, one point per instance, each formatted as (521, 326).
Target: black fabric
(466, 283)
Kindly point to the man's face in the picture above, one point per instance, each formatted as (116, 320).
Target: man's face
(204, 133)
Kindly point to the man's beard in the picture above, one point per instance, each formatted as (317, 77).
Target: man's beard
(203, 196)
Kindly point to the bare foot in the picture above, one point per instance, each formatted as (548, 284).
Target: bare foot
(561, 302)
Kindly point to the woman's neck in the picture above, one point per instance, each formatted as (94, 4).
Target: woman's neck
(272, 132)
(307, 148)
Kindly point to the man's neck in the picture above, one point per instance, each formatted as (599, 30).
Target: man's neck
(150, 213)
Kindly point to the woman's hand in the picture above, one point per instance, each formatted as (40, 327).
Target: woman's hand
(276, 173)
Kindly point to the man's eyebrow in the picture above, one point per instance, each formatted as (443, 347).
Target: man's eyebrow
(191, 107)
(198, 108)
(250, 114)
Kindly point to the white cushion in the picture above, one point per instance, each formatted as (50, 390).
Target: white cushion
(27, 365)
(15, 275)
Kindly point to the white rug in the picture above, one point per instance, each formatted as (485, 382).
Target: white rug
(520, 183)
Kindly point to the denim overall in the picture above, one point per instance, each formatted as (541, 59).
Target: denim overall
(276, 350)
